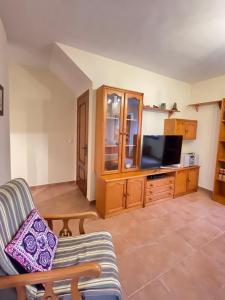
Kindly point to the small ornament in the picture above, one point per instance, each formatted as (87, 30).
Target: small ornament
(163, 105)
(175, 106)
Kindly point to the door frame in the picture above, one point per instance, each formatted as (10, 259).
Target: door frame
(77, 139)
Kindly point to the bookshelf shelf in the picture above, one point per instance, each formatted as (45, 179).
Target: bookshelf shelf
(219, 184)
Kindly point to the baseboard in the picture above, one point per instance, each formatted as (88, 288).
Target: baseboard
(34, 187)
(210, 193)
(92, 202)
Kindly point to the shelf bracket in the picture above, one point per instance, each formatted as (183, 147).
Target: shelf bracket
(197, 107)
(170, 113)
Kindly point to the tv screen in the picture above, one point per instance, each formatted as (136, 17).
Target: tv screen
(160, 150)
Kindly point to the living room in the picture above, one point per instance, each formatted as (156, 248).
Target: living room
(80, 101)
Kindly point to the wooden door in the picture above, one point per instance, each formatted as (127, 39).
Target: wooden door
(190, 130)
(113, 131)
(181, 182)
(82, 141)
(180, 127)
(133, 108)
(135, 192)
(115, 196)
(192, 180)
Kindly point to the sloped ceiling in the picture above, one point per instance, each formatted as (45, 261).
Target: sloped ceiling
(178, 38)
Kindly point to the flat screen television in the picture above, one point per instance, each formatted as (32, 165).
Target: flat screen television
(160, 150)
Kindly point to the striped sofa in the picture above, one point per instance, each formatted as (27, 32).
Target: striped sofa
(16, 204)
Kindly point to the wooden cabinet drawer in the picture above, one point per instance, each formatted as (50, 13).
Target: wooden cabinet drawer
(159, 196)
(159, 189)
(159, 182)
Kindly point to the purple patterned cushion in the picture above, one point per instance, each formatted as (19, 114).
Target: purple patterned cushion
(34, 244)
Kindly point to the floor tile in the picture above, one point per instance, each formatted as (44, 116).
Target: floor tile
(215, 252)
(195, 278)
(199, 232)
(155, 291)
(177, 245)
(144, 264)
(173, 250)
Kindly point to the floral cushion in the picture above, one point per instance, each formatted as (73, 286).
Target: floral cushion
(34, 244)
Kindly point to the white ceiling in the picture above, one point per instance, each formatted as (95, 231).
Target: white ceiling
(184, 39)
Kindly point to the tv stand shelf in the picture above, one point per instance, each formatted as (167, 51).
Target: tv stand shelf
(121, 192)
(157, 176)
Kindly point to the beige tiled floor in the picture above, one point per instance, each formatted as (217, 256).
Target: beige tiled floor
(174, 250)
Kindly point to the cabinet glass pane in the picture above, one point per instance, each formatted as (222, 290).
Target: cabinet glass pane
(112, 132)
(132, 129)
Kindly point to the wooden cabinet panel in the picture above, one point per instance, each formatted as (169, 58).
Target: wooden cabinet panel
(118, 130)
(186, 128)
(117, 193)
(181, 182)
(160, 182)
(160, 196)
(180, 128)
(192, 181)
(135, 192)
(132, 131)
(115, 196)
(190, 130)
(159, 189)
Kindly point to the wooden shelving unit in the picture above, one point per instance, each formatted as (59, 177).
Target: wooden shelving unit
(197, 105)
(219, 185)
(170, 112)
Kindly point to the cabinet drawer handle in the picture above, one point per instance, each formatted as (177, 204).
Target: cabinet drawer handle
(127, 194)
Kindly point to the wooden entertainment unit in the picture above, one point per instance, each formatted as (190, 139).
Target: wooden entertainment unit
(117, 193)
(120, 184)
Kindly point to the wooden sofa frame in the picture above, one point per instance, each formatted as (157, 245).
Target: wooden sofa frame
(49, 277)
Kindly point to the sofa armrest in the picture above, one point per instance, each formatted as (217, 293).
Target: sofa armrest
(66, 217)
(49, 277)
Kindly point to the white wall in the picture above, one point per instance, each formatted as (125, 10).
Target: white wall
(42, 126)
(91, 71)
(156, 89)
(61, 65)
(64, 68)
(208, 126)
(205, 144)
(4, 120)
(208, 90)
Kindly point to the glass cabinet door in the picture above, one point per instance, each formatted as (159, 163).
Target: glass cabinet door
(132, 132)
(113, 131)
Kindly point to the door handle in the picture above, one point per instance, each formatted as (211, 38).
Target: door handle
(124, 200)
(84, 147)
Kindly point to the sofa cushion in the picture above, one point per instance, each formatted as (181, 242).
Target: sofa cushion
(34, 244)
(16, 204)
(93, 247)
